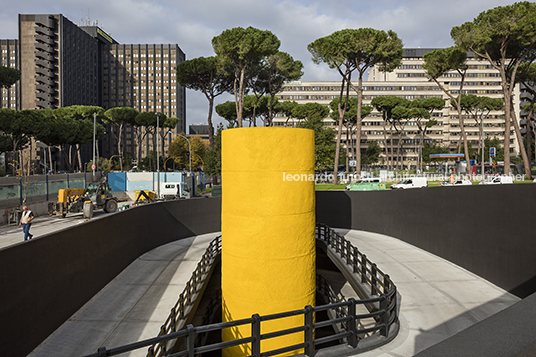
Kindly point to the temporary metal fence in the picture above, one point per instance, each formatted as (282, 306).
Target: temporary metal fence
(382, 307)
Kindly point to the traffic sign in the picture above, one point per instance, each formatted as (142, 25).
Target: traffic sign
(491, 152)
(93, 167)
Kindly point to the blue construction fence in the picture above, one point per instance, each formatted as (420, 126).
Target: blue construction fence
(135, 181)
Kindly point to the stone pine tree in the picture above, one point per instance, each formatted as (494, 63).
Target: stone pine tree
(209, 76)
(385, 105)
(356, 50)
(439, 62)
(243, 48)
(270, 76)
(120, 117)
(8, 76)
(426, 122)
(479, 108)
(505, 37)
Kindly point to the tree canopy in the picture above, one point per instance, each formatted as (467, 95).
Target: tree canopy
(356, 49)
(209, 76)
(244, 48)
(8, 76)
(504, 36)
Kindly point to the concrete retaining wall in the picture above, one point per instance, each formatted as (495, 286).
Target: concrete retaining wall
(488, 230)
(44, 281)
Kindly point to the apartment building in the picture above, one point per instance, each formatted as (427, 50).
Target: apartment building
(65, 64)
(409, 81)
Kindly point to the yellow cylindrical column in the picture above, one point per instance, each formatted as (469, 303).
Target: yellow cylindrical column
(268, 230)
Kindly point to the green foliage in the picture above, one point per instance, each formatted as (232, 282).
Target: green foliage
(243, 49)
(371, 154)
(504, 36)
(350, 115)
(120, 116)
(148, 163)
(430, 149)
(439, 62)
(179, 150)
(500, 33)
(205, 74)
(386, 104)
(314, 113)
(227, 111)
(213, 156)
(8, 76)
(310, 111)
(209, 75)
(268, 77)
(358, 49)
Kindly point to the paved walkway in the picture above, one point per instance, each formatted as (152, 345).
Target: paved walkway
(438, 299)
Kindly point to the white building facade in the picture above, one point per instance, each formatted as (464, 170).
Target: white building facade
(409, 81)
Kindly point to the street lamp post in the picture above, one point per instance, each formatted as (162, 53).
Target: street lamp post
(94, 127)
(189, 151)
(482, 145)
(157, 153)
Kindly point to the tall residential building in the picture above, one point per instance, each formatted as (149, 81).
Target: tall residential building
(64, 64)
(409, 81)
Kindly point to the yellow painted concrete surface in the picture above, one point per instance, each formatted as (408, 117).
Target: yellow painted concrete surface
(268, 222)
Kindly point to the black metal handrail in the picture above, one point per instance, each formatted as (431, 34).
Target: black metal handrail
(382, 291)
(179, 312)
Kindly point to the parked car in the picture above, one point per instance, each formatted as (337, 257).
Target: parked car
(459, 182)
(497, 180)
(411, 182)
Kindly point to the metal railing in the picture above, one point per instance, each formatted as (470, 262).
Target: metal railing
(180, 311)
(383, 302)
(380, 283)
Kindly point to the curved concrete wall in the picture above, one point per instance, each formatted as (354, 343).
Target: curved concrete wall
(46, 280)
(488, 230)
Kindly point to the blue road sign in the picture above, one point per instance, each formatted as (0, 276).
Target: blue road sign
(491, 152)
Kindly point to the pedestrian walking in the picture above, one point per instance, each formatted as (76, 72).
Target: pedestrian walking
(25, 221)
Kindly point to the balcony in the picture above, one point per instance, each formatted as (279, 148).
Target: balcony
(45, 64)
(46, 81)
(45, 73)
(46, 89)
(43, 104)
(44, 31)
(46, 56)
(45, 48)
(45, 39)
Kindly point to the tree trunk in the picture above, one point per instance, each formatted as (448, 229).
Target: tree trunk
(507, 117)
(210, 126)
(392, 148)
(359, 91)
(526, 162)
(119, 146)
(464, 136)
(342, 111)
(50, 160)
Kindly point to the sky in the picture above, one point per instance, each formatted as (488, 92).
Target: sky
(297, 23)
